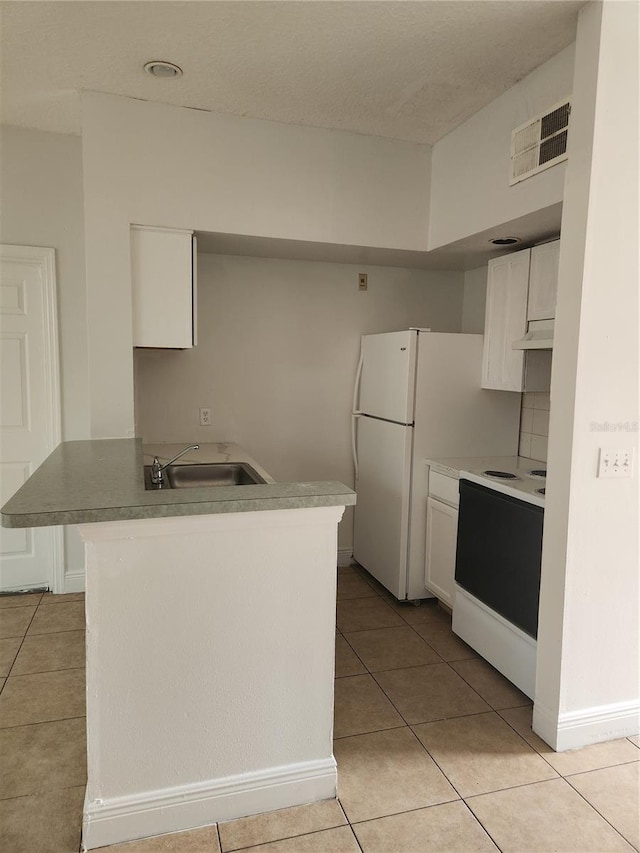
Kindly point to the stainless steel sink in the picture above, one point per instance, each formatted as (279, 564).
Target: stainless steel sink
(205, 474)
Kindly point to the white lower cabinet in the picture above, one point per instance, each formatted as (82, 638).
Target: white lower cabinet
(441, 537)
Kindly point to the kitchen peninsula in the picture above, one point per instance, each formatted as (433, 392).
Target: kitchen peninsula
(210, 636)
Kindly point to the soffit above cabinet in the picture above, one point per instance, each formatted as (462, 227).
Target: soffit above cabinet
(467, 254)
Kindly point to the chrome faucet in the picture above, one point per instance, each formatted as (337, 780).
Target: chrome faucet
(157, 468)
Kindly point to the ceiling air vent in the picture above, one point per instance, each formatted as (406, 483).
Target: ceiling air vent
(539, 143)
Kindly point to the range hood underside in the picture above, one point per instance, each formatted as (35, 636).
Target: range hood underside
(539, 336)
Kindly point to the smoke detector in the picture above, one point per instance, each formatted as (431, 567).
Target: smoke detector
(160, 68)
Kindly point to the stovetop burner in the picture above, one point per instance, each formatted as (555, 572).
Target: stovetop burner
(538, 472)
(501, 475)
(541, 491)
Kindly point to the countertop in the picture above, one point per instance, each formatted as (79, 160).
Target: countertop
(452, 466)
(83, 482)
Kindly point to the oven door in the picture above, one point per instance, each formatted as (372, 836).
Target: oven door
(499, 552)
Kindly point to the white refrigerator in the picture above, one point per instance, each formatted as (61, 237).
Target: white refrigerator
(417, 396)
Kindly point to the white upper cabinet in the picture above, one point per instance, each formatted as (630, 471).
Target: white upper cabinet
(505, 321)
(543, 281)
(163, 287)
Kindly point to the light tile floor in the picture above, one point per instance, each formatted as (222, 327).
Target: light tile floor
(435, 749)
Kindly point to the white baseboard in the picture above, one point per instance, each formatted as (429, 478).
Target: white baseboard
(74, 581)
(574, 729)
(189, 806)
(345, 556)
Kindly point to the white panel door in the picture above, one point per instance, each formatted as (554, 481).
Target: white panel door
(29, 406)
(381, 521)
(388, 376)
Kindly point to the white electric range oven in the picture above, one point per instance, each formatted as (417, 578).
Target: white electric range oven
(497, 576)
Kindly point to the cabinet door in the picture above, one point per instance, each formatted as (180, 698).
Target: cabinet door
(543, 281)
(505, 322)
(440, 561)
(162, 281)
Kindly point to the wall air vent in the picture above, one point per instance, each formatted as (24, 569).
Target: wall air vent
(539, 143)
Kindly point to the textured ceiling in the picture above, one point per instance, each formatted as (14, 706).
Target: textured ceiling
(403, 70)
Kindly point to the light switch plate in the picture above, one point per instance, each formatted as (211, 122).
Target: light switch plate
(615, 463)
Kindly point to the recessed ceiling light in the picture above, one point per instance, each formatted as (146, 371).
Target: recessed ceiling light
(504, 241)
(160, 68)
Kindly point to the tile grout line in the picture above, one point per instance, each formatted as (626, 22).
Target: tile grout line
(24, 637)
(561, 775)
(402, 725)
(480, 823)
(396, 610)
(596, 810)
(349, 824)
(391, 627)
(438, 719)
(407, 811)
(542, 782)
(568, 776)
(468, 683)
(42, 722)
(391, 668)
(45, 671)
(275, 840)
(527, 742)
(433, 758)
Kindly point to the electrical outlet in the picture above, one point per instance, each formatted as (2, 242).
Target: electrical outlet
(205, 417)
(615, 463)
(362, 281)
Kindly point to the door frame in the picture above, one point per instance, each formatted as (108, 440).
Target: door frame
(45, 258)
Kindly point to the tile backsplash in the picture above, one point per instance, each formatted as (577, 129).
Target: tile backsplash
(534, 425)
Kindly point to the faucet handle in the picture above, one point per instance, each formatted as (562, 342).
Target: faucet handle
(156, 471)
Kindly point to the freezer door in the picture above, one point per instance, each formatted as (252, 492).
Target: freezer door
(381, 522)
(387, 383)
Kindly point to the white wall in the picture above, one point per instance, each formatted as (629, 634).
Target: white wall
(210, 662)
(276, 358)
(41, 177)
(588, 668)
(474, 300)
(160, 165)
(470, 189)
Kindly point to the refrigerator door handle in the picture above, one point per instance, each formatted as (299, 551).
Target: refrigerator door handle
(354, 446)
(356, 384)
(355, 413)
